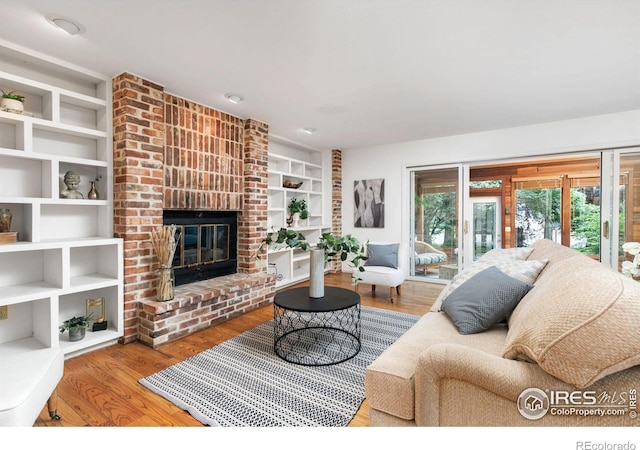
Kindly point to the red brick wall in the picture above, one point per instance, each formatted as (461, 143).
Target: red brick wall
(172, 153)
(336, 199)
(138, 121)
(252, 221)
(203, 157)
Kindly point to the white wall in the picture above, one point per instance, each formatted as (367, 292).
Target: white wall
(389, 161)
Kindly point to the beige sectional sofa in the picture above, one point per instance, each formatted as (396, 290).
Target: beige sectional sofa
(567, 355)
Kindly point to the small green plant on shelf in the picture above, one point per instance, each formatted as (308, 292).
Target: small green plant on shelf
(299, 206)
(77, 322)
(12, 95)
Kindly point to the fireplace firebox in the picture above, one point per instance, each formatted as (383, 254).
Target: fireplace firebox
(207, 244)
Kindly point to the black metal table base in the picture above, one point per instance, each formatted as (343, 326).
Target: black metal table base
(317, 338)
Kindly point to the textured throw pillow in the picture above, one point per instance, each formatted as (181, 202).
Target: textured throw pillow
(484, 300)
(579, 324)
(382, 255)
(526, 271)
(507, 254)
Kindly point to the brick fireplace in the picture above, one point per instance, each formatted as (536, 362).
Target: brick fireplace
(170, 153)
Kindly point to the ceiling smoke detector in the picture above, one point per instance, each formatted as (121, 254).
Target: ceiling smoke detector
(66, 24)
(234, 98)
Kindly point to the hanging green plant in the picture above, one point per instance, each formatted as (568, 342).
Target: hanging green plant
(335, 247)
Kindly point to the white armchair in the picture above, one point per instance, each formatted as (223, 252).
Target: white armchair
(29, 376)
(385, 266)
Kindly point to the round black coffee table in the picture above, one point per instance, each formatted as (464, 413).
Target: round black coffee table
(316, 331)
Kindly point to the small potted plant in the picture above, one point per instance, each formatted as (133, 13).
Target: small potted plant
(11, 101)
(77, 327)
(298, 210)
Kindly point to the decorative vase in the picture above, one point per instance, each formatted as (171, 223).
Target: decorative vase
(296, 220)
(316, 273)
(5, 220)
(77, 333)
(93, 193)
(165, 284)
(12, 105)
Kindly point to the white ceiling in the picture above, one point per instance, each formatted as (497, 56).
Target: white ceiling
(361, 72)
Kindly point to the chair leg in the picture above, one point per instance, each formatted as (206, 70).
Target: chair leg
(373, 287)
(52, 405)
(391, 294)
(398, 289)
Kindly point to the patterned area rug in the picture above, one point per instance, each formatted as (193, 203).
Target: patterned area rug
(241, 382)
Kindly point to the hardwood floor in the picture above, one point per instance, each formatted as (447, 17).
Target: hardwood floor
(101, 388)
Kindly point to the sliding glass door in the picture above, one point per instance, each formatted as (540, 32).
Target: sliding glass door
(620, 205)
(435, 215)
(486, 228)
(589, 202)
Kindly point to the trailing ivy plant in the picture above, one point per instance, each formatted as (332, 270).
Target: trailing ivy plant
(335, 247)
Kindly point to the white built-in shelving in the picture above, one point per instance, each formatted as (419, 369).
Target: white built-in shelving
(293, 265)
(65, 252)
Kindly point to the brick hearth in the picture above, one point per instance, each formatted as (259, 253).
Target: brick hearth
(172, 153)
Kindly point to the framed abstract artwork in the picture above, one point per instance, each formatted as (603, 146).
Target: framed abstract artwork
(368, 211)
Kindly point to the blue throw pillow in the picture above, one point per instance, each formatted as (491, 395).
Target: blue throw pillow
(484, 300)
(382, 255)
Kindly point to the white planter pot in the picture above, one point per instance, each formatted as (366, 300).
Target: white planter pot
(316, 273)
(14, 105)
(296, 220)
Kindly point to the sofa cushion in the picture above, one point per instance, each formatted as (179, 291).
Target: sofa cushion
(484, 300)
(579, 324)
(385, 255)
(526, 271)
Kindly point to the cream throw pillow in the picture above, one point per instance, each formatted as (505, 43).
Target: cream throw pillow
(507, 254)
(580, 323)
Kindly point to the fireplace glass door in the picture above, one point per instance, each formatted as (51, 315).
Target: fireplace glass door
(201, 244)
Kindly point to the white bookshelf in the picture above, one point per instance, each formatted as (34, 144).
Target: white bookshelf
(293, 265)
(65, 252)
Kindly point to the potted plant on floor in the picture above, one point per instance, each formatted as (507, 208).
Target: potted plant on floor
(298, 210)
(77, 327)
(328, 248)
(12, 101)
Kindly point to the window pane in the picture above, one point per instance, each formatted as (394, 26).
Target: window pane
(585, 219)
(484, 228)
(537, 215)
(629, 212)
(435, 227)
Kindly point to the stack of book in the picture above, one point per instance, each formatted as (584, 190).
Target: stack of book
(8, 237)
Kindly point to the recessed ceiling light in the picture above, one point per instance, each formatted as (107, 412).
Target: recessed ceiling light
(66, 24)
(233, 98)
(309, 130)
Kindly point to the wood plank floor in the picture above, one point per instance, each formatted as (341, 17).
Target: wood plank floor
(101, 388)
